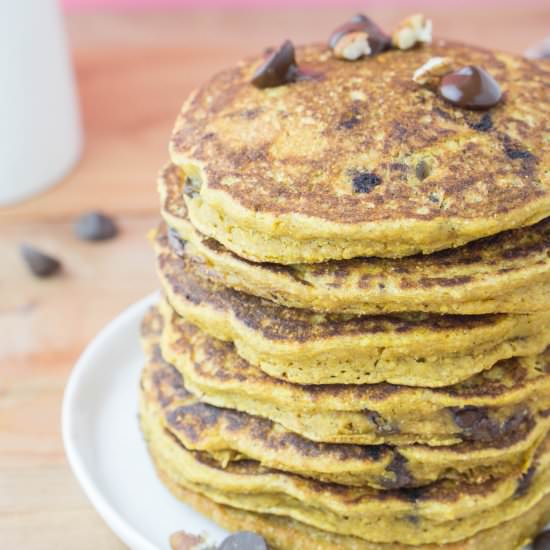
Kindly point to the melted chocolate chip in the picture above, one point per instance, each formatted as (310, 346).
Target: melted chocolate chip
(398, 467)
(484, 125)
(382, 425)
(41, 265)
(177, 244)
(191, 187)
(524, 482)
(422, 170)
(378, 40)
(542, 541)
(95, 226)
(244, 540)
(470, 87)
(475, 423)
(515, 153)
(278, 69)
(365, 182)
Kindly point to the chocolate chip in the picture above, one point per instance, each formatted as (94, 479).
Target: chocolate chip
(378, 40)
(471, 87)
(475, 423)
(41, 265)
(191, 187)
(515, 153)
(422, 170)
(524, 482)
(484, 125)
(365, 182)
(177, 244)
(349, 123)
(95, 226)
(542, 541)
(244, 540)
(413, 494)
(278, 69)
(398, 467)
(359, 18)
(540, 50)
(382, 425)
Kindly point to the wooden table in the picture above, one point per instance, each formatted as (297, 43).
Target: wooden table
(133, 72)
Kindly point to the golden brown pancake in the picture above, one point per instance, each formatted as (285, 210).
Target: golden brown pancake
(489, 406)
(229, 435)
(441, 512)
(326, 168)
(283, 533)
(507, 273)
(312, 348)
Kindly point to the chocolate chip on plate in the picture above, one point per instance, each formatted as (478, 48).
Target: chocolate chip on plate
(278, 69)
(40, 264)
(243, 540)
(95, 226)
(470, 87)
(359, 36)
(542, 541)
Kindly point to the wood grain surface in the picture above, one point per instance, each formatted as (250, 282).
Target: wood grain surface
(133, 71)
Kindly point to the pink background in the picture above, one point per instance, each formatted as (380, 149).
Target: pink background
(363, 6)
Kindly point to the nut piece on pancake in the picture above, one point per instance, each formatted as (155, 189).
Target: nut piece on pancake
(431, 72)
(415, 29)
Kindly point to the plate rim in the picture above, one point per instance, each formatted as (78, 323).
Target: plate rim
(120, 527)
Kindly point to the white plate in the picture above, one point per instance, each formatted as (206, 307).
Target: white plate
(105, 448)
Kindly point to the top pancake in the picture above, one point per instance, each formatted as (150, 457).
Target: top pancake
(271, 170)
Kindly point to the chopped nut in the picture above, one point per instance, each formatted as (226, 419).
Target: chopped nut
(352, 46)
(431, 72)
(411, 31)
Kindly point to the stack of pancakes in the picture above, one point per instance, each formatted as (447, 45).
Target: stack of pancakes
(351, 350)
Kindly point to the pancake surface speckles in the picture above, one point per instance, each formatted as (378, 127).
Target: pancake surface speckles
(271, 172)
(508, 273)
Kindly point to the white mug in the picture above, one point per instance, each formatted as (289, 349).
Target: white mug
(40, 132)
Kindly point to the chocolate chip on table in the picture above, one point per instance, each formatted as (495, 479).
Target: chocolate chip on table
(243, 540)
(542, 541)
(365, 182)
(470, 87)
(376, 39)
(40, 264)
(95, 226)
(278, 69)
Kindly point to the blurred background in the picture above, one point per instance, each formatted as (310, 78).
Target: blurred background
(134, 62)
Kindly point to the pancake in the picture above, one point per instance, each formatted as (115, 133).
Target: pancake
(325, 168)
(311, 348)
(488, 405)
(441, 512)
(286, 534)
(228, 435)
(508, 273)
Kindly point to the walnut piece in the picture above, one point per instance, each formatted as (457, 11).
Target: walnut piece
(352, 46)
(431, 72)
(411, 31)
